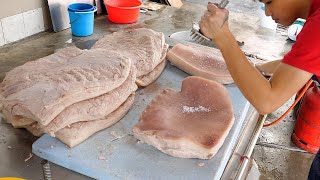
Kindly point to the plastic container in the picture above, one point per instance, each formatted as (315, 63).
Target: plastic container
(266, 21)
(295, 29)
(80, 7)
(82, 20)
(123, 11)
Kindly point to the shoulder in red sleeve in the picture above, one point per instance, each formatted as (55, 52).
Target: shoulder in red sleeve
(305, 53)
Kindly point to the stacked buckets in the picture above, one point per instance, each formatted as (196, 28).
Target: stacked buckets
(81, 18)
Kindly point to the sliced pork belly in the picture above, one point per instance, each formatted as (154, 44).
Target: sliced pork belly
(16, 121)
(192, 123)
(200, 61)
(94, 108)
(80, 131)
(143, 46)
(41, 89)
(87, 110)
(34, 129)
(149, 78)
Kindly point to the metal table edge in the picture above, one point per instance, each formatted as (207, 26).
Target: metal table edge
(238, 165)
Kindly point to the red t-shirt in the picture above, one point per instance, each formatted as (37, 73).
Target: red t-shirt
(305, 53)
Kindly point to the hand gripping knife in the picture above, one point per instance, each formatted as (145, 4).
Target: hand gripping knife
(195, 31)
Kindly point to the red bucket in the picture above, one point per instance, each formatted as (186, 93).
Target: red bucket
(123, 11)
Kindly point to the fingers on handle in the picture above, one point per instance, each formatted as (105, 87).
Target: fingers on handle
(216, 4)
(212, 7)
(226, 14)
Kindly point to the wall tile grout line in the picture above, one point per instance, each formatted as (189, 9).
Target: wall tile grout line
(24, 25)
(24, 31)
(2, 33)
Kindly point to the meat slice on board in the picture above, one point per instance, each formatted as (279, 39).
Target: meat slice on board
(87, 110)
(192, 123)
(152, 76)
(143, 46)
(80, 131)
(16, 121)
(41, 89)
(202, 61)
(94, 108)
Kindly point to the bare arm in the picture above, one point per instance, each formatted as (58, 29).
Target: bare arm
(268, 68)
(266, 96)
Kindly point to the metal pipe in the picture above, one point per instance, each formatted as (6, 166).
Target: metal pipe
(46, 170)
(250, 147)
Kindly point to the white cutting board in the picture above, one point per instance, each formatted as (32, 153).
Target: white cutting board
(59, 13)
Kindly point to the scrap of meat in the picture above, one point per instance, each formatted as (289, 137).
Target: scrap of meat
(192, 123)
(200, 61)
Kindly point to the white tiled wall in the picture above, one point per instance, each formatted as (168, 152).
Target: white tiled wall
(21, 25)
(13, 28)
(33, 21)
(1, 35)
(24, 24)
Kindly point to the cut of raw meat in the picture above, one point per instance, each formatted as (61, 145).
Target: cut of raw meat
(16, 121)
(149, 78)
(200, 61)
(94, 108)
(80, 131)
(34, 129)
(41, 89)
(143, 46)
(192, 123)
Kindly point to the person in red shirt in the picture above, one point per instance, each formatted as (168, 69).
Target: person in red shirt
(289, 75)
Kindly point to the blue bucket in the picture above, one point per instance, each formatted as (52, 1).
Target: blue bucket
(81, 19)
(80, 7)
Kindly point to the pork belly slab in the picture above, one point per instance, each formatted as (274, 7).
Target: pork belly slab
(78, 132)
(87, 110)
(41, 89)
(16, 121)
(94, 108)
(200, 61)
(192, 123)
(143, 46)
(149, 78)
